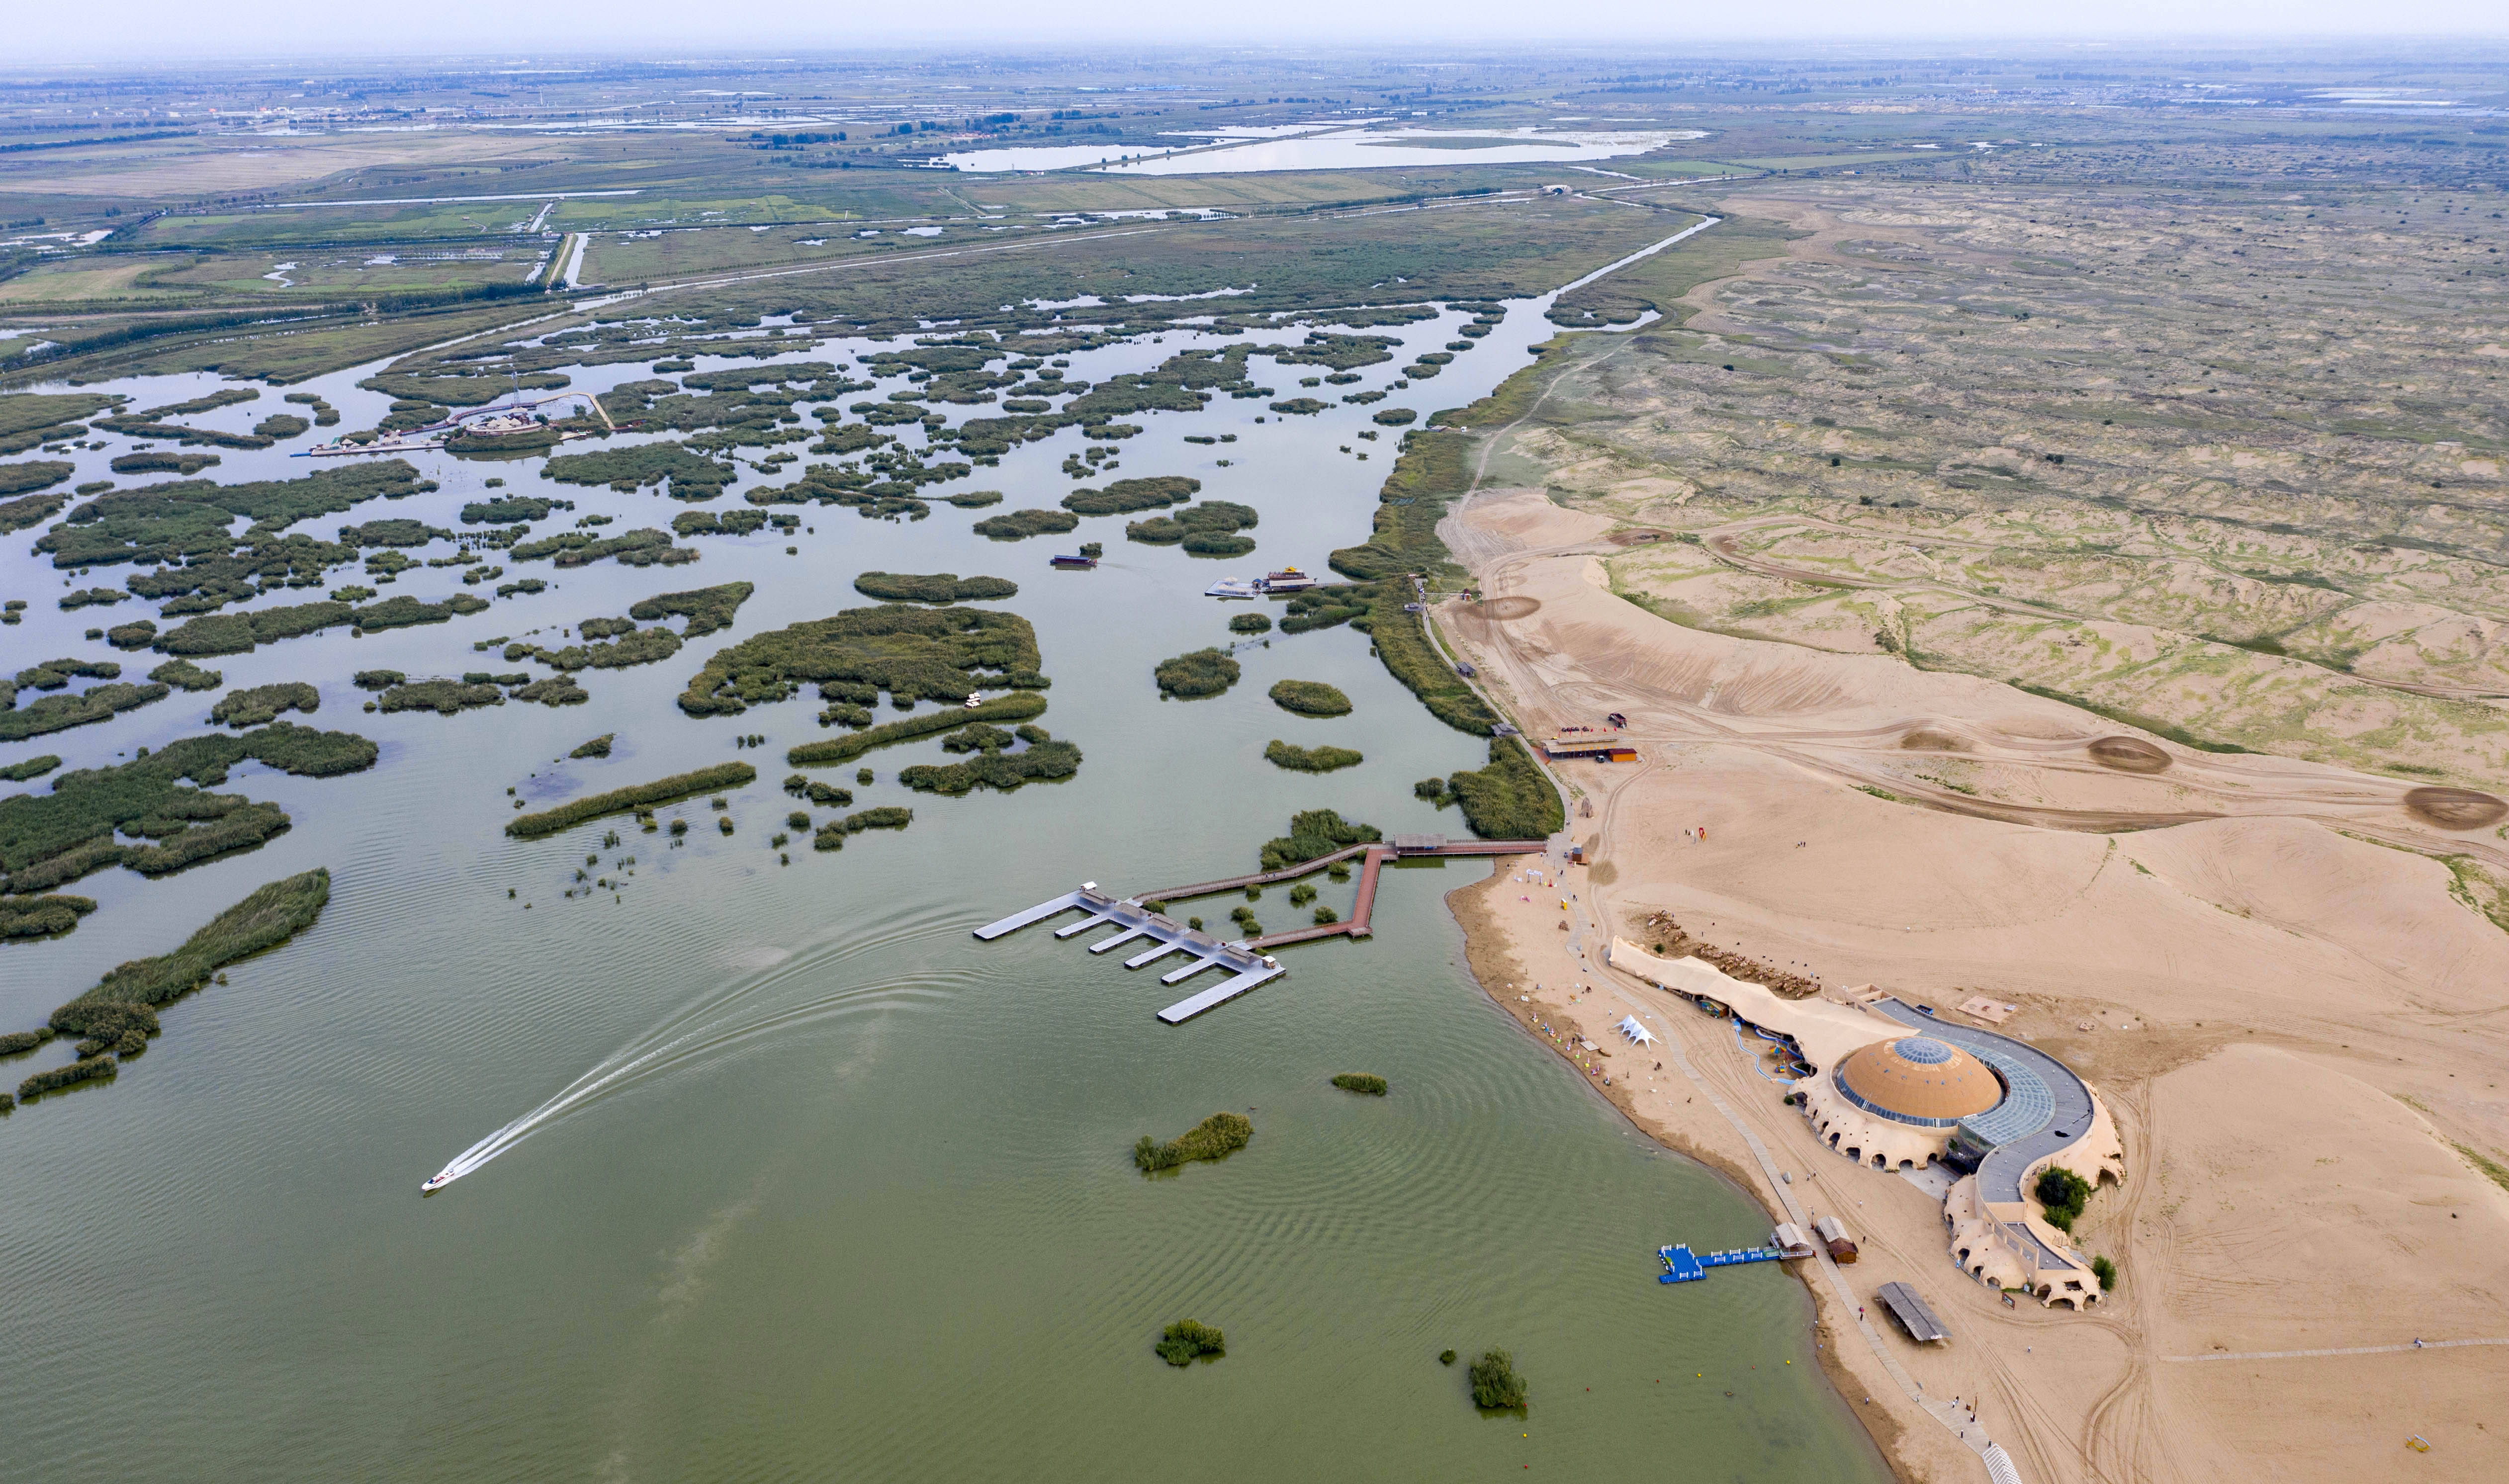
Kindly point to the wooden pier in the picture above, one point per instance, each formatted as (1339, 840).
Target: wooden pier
(1248, 962)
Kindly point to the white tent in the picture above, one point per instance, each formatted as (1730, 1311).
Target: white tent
(1636, 1032)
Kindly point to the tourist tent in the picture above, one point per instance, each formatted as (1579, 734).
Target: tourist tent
(1636, 1032)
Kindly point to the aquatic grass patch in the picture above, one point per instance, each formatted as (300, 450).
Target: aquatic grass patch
(260, 704)
(29, 510)
(1315, 832)
(1216, 1137)
(1510, 799)
(1046, 757)
(706, 609)
(42, 473)
(45, 916)
(122, 1009)
(635, 647)
(1310, 698)
(1200, 673)
(32, 767)
(187, 676)
(685, 474)
(832, 835)
(643, 796)
(598, 747)
(911, 653)
(1019, 705)
(1209, 528)
(1125, 496)
(169, 523)
(240, 633)
(1310, 760)
(937, 587)
(1368, 1083)
(1019, 525)
(444, 697)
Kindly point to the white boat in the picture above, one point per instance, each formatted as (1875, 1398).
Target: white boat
(1234, 587)
(975, 698)
(442, 1178)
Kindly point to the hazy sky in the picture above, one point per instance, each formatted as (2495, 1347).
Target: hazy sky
(174, 29)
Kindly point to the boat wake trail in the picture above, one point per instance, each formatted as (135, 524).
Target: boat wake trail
(710, 1027)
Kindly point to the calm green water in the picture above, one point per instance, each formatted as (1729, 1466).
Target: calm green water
(870, 1214)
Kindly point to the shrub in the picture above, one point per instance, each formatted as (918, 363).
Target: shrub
(1326, 916)
(1396, 417)
(1445, 1358)
(575, 811)
(1207, 529)
(1310, 698)
(444, 697)
(1249, 623)
(2105, 1271)
(2063, 1193)
(1431, 789)
(1496, 1387)
(1204, 672)
(1216, 1137)
(1372, 1085)
(1186, 1340)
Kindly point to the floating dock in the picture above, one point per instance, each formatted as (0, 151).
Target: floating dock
(1130, 921)
(1246, 962)
(1683, 1265)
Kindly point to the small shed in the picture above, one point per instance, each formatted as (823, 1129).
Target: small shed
(1789, 1238)
(1914, 1314)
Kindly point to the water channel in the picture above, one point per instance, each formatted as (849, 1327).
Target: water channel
(874, 1216)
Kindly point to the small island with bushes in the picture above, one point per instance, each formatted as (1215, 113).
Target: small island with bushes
(1496, 1387)
(1360, 1082)
(1310, 698)
(1311, 759)
(1190, 1340)
(1216, 1137)
(1204, 672)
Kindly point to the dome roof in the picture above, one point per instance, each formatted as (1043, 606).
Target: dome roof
(1919, 1080)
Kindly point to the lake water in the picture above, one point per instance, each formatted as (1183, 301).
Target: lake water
(1341, 149)
(876, 1218)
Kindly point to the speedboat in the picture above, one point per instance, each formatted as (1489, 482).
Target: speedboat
(442, 1178)
(1233, 587)
(975, 698)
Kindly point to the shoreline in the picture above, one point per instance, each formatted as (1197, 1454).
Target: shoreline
(1490, 957)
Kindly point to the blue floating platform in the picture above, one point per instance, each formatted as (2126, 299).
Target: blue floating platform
(1683, 1265)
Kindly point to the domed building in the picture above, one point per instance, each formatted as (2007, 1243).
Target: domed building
(1917, 1081)
(1892, 1086)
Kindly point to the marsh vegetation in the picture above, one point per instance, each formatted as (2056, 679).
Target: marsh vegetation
(1216, 1137)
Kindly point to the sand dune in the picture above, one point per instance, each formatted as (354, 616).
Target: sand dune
(2257, 960)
